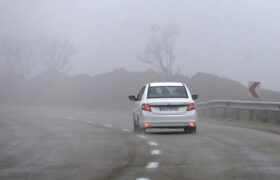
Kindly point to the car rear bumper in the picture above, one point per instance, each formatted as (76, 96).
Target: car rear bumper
(167, 121)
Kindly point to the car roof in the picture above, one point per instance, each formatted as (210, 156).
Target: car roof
(166, 84)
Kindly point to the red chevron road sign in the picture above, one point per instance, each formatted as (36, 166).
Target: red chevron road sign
(254, 88)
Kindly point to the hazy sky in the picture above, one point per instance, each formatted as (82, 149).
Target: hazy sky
(239, 39)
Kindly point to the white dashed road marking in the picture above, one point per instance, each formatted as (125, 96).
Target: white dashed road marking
(155, 152)
(70, 118)
(126, 130)
(142, 179)
(108, 125)
(88, 122)
(152, 165)
(142, 137)
(152, 143)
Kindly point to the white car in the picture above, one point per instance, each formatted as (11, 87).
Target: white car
(164, 105)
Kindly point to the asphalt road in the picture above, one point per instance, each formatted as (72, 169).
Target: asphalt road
(71, 143)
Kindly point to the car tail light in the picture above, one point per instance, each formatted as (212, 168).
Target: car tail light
(146, 124)
(191, 107)
(192, 124)
(146, 107)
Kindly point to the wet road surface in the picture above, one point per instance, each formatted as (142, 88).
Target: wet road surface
(72, 143)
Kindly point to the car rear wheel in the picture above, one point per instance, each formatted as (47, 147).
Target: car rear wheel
(142, 130)
(186, 130)
(135, 127)
(192, 130)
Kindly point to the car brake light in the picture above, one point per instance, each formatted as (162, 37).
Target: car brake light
(146, 107)
(191, 107)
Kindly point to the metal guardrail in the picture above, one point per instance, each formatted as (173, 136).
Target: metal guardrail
(247, 105)
(251, 106)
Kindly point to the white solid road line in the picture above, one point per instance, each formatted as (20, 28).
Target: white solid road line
(152, 143)
(155, 152)
(108, 125)
(126, 130)
(88, 122)
(152, 165)
(142, 178)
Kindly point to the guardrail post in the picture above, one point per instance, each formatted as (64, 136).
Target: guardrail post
(213, 113)
(225, 113)
(251, 114)
(277, 117)
(237, 114)
(265, 119)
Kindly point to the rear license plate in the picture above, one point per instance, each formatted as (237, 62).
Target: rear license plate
(168, 108)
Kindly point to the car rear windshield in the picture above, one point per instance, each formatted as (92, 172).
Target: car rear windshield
(167, 92)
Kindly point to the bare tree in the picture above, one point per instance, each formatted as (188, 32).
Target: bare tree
(56, 54)
(159, 51)
(16, 55)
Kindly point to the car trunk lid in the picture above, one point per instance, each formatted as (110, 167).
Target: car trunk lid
(169, 106)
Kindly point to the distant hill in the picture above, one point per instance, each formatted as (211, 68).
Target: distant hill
(111, 89)
(212, 87)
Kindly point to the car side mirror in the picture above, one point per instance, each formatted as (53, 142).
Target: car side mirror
(132, 98)
(194, 97)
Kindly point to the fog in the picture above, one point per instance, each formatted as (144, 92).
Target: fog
(234, 39)
(73, 105)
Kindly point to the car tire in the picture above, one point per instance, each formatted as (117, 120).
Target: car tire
(186, 130)
(193, 130)
(142, 130)
(135, 127)
(138, 130)
(189, 130)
